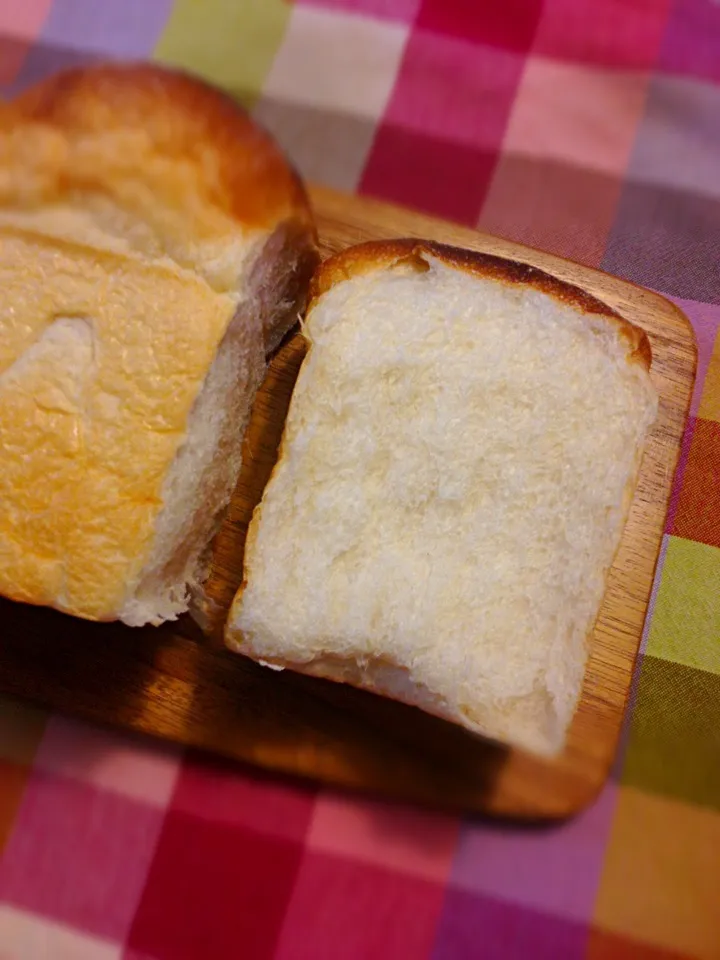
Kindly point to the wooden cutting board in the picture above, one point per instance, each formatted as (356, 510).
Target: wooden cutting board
(177, 684)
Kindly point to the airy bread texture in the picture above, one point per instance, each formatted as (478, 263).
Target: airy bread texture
(154, 246)
(455, 473)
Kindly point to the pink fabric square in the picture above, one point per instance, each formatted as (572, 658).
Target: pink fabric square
(554, 206)
(23, 18)
(399, 838)
(230, 794)
(450, 88)
(342, 908)
(614, 33)
(402, 10)
(20, 24)
(131, 766)
(581, 115)
(79, 855)
(555, 870)
(705, 318)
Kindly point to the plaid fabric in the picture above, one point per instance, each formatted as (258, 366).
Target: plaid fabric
(590, 128)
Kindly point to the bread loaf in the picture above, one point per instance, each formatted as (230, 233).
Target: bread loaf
(456, 469)
(154, 246)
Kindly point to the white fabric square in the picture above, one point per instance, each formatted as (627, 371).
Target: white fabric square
(26, 935)
(337, 61)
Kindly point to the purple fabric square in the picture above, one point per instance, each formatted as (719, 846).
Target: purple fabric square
(474, 926)
(692, 40)
(705, 318)
(555, 869)
(78, 32)
(667, 239)
(120, 28)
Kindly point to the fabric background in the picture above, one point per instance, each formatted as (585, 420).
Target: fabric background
(590, 128)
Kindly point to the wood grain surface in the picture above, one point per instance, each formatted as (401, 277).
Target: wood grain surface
(178, 683)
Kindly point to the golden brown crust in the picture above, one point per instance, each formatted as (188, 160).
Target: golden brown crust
(378, 254)
(238, 166)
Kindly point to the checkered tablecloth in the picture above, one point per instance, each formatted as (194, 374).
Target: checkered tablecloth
(590, 128)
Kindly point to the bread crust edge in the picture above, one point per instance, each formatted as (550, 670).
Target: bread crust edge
(382, 254)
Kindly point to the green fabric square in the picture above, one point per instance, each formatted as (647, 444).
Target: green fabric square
(231, 44)
(685, 626)
(674, 743)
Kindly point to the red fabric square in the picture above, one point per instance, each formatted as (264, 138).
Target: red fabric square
(608, 946)
(613, 33)
(79, 855)
(13, 51)
(343, 908)
(429, 174)
(13, 780)
(510, 24)
(677, 486)
(697, 516)
(228, 793)
(454, 90)
(214, 890)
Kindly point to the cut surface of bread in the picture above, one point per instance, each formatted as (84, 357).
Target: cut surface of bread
(154, 246)
(456, 469)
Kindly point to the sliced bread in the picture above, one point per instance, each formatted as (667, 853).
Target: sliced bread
(455, 473)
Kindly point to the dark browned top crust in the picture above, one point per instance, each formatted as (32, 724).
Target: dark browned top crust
(378, 254)
(161, 116)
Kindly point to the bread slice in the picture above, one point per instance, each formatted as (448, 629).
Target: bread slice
(457, 465)
(154, 246)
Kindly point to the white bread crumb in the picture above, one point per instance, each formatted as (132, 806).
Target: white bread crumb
(454, 477)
